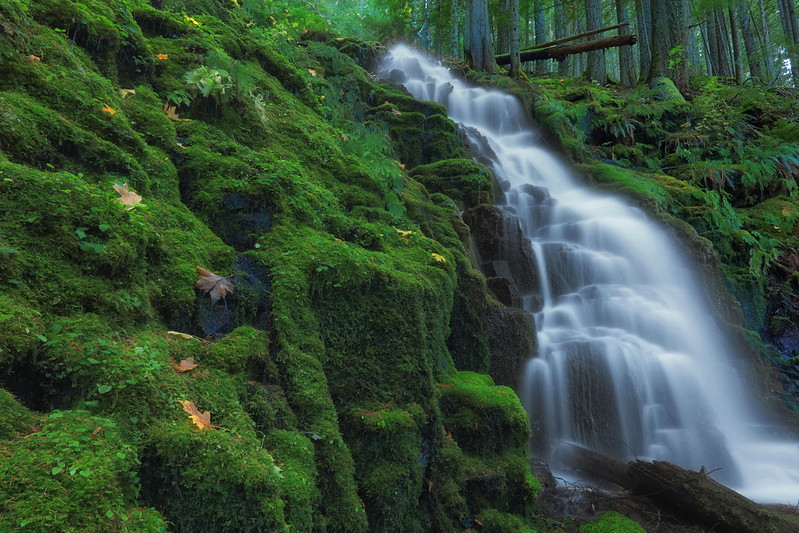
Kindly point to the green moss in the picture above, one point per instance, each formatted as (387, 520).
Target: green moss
(244, 348)
(14, 417)
(482, 418)
(209, 480)
(612, 522)
(76, 474)
(463, 180)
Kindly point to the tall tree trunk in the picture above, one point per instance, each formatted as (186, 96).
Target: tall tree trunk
(626, 68)
(661, 42)
(513, 37)
(643, 16)
(480, 38)
(503, 27)
(790, 24)
(679, 16)
(704, 31)
(753, 56)
(737, 58)
(597, 70)
(561, 27)
(539, 16)
(723, 44)
(454, 32)
(766, 41)
(713, 44)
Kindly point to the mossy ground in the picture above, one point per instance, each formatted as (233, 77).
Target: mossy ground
(265, 160)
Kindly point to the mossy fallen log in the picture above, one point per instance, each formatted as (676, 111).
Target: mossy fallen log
(692, 497)
(561, 51)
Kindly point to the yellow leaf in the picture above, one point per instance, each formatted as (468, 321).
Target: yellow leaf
(203, 420)
(403, 234)
(181, 335)
(440, 258)
(109, 110)
(124, 93)
(312, 72)
(170, 112)
(189, 19)
(185, 365)
(396, 112)
(127, 197)
(162, 57)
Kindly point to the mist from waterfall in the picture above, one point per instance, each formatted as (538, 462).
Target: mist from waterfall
(630, 361)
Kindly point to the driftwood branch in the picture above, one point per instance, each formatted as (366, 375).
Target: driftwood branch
(560, 51)
(692, 496)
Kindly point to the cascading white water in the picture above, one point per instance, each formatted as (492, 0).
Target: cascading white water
(630, 361)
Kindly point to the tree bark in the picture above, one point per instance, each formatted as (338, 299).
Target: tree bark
(626, 68)
(790, 24)
(480, 37)
(561, 26)
(539, 16)
(737, 58)
(766, 41)
(660, 41)
(597, 71)
(513, 35)
(556, 52)
(643, 16)
(454, 32)
(679, 15)
(753, 56)
(724, 65)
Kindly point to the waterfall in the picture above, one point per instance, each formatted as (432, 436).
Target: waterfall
(630, 362)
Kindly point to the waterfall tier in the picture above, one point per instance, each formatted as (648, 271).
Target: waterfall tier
(631, 362)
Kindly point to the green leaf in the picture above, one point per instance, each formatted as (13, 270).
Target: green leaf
(102, 389)
(103, 227)
(57, 470)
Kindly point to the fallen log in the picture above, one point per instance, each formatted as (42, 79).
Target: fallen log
(691, 496)
(574, 37)
(557, 52)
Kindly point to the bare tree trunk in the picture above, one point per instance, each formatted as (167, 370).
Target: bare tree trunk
(597, 70)
(766, 41)
(626, 67)
(661, 42)
(679, 15)
(480, 41)
(539, 17)
(790, 24)
(703, 31)
(561, 26)
(753, 56)
(737, 58)
(454, 32)
(722, 44)
(513, 36)
(643, 16)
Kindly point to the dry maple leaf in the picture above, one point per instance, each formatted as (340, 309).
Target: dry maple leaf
(127, 197)
(203, 420)
(396, 112)
(124, 93)
(162, 56)
(185, 365)
(312, 72)
(438, 257)
(109, 110)
(170, 112)
(212, 284)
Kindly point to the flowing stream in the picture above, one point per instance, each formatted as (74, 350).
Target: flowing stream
(630, 362)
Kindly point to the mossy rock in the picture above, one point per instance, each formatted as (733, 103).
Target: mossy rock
(77, 474)
(244, 348)
(483, 419)
(209, 480)
(463, 180)
(612, 522)
(15, 419)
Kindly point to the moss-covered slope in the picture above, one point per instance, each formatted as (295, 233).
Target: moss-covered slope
(313, 384)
